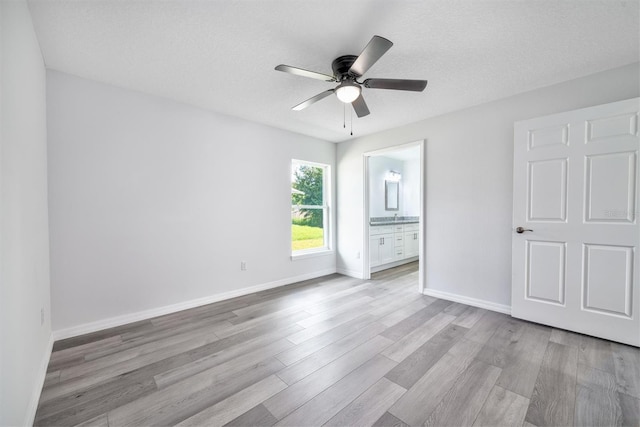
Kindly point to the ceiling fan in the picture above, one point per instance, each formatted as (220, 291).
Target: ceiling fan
(346, 71)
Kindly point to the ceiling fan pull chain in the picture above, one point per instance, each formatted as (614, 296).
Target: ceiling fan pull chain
(344, 116)
(351, 116)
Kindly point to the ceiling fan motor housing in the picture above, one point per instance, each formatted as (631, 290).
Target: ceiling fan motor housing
(341, 66)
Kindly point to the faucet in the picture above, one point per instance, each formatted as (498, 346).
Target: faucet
(395, 217)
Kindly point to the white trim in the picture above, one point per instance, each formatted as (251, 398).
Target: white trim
(311, 254)
(351, 273)
(310, 206)
(40, 377)
(168, 309)
(475, 302)
(366, 262)
(311, 163)
(422, 225)
(392, 148)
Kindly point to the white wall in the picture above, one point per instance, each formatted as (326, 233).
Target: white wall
(155, 203)
(468, 190)
(24, 244)
(410, 186)
(379, 166)
(409, 203)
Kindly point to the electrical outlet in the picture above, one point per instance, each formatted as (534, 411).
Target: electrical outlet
(243, 265)
(42, 316)
(358, 255)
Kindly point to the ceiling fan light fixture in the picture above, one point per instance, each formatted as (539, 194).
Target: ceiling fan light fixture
(348, 91)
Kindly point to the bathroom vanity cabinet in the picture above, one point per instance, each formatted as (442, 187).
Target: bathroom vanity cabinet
(393, 244)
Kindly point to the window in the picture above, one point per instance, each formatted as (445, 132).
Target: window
(309, 207)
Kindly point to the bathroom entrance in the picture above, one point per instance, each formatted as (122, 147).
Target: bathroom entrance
(394, 208)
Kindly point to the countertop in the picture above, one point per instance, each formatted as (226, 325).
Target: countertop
(392, 222)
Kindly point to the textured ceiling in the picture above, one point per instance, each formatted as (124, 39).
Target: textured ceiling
(220, 55)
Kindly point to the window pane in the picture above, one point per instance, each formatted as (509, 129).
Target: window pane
(307, 185)
(304, 233)
(307, 206)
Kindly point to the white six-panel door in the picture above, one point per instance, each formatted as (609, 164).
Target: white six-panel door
(576, 186)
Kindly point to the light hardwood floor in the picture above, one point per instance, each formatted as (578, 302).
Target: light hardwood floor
(338, 351)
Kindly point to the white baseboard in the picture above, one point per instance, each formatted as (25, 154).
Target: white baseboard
(42, 373)
(475, 302)
(111, 322)
(351, 273)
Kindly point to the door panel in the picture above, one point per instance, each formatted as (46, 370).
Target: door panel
(554, 135)
(624, 125)
(576, 187)
(608, 279)
(546, 267)
(547, 191)
(610, 187)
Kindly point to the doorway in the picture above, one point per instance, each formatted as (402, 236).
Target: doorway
(394, 209)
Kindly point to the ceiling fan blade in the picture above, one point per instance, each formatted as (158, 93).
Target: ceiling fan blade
(360, 106)
(374, 50)
(396, 84)
(313, 100)
(305, 73)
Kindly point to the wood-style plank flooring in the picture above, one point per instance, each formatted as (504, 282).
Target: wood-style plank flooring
(338, 351)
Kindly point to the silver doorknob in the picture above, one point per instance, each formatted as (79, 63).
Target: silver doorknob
(521, 230)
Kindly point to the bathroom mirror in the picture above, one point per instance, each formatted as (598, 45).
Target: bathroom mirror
(391, 195)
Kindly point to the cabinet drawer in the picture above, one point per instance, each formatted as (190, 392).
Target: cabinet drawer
(412, 227)
(399, 252)
(398, 228)
(399, 239)
(374, 230)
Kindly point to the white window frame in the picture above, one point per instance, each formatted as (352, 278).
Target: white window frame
(326, 212)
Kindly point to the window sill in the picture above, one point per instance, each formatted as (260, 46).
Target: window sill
(313, 254)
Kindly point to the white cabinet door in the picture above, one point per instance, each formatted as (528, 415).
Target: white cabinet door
(575, 261)
(411, 246)
(374, 250)
(387, 253)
